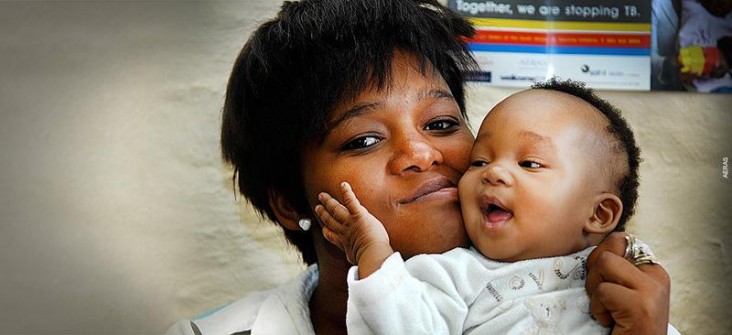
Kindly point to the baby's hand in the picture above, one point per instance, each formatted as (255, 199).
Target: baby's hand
(352, 228)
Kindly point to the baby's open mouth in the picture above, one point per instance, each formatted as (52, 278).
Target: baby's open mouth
(495, 213)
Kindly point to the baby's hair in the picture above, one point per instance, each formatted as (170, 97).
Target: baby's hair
(619, 130)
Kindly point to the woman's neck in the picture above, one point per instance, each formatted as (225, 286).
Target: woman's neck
(328, 302)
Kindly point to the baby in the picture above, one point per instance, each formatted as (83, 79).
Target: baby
(553, 170)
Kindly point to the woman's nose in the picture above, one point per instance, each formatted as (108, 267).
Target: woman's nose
(414, 153)
(496, 174)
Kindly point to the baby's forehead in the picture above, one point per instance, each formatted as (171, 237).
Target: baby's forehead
(549, 120)
(547, 107)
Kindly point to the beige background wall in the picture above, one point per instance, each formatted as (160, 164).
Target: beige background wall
(117, 215)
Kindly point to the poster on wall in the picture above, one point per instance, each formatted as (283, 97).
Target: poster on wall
(692, 49)
(606, 44)
(609, 44)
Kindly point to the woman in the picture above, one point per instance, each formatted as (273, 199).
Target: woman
(370, 92)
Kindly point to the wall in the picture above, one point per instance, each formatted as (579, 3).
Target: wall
(117, 215)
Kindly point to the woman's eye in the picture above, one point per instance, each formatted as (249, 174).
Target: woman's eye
(530, 165)
(478, 163)
(442, 125)
(361, 143)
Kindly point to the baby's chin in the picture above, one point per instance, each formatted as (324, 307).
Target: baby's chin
(450, 236)
(505, 251)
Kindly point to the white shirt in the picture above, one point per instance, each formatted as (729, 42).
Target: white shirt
(283, 310)
(462, 292)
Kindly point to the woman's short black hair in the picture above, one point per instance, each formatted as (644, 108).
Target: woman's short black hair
(297, 67)
(620, 131)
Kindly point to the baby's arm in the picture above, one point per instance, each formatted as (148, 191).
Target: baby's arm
(354, 230)
(376, 304)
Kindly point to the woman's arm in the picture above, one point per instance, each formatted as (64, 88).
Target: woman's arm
(633, 300)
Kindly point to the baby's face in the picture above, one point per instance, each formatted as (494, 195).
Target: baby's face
(531, 185)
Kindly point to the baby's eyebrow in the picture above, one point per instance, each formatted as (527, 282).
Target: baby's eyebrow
(540, 141)
(530, 135)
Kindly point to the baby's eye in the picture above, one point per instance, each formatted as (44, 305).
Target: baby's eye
(443, 125)
(530, 165)
(478, 163)
(361, 143)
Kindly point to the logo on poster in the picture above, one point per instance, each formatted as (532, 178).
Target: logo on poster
(514, 77)
(484, 76)
(586, 69)
(533, 63)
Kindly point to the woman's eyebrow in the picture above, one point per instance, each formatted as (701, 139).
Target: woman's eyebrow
(435, 93)
(367, 107)
(353, 112)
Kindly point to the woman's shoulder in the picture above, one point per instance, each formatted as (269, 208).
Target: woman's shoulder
(258, 309)
(220, 320)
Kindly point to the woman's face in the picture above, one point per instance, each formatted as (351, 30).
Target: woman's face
(403, 150)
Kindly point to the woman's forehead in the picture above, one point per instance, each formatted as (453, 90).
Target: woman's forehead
(406, 79)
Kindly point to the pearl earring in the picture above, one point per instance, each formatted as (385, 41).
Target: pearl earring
(304, 224)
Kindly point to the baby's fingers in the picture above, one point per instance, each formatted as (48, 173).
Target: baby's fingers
(350, 200)
(332, 237)
(328, 220)
(334, 208)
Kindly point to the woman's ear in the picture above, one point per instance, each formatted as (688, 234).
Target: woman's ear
(285, 213)
(606, 214)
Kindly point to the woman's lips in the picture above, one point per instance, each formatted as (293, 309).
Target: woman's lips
(436, 188)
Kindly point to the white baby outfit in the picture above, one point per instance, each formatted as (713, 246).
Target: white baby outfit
(463, 292)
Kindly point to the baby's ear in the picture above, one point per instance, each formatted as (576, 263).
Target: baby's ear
(285, 213)
(606, 215)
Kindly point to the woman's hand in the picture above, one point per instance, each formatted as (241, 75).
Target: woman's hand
(633, 300)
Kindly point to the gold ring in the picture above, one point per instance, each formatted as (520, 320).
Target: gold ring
(638, 252)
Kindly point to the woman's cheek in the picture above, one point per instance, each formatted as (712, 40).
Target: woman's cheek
(458, 150)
